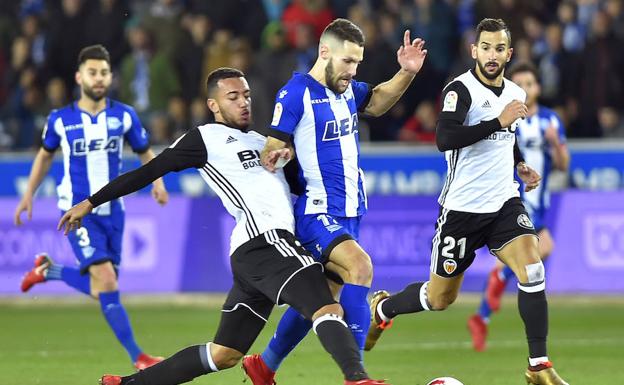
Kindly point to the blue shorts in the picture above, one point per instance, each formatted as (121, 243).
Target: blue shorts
(99, 239)
(320, 233)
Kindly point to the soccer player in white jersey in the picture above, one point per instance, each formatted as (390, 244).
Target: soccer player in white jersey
(91, 132)
(480, 204)
(317, 113)
(269, 265)
(542, 141)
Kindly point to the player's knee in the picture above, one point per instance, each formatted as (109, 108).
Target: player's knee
(361, 270)
(103, 278)
(224, 357)
(333, 308)
(441, 302)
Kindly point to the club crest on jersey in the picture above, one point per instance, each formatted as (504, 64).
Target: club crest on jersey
(524, 221)
(450, 102)
(113, 123)
(449, 266)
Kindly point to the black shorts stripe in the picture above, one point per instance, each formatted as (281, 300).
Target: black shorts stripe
(234, 196)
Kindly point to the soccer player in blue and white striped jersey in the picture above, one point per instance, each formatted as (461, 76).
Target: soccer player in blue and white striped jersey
(317, 113)
(91, 133)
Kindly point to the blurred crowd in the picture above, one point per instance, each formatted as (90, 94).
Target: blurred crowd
(162, 50)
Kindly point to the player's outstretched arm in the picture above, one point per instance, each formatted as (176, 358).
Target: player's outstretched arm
(41, 166)
(411, 56)
(72, 218)
(159, 192)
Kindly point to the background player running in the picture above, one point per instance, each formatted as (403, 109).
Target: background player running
(91, 133)
(268, 264)
(542, 141)
(317, 112)
(480, 204)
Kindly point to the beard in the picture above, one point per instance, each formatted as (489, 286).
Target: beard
(95, 95)
(491, 76)
(331, 80)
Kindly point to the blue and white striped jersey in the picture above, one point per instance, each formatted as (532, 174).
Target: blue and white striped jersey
(324, 127)
(92, 148)
(537, 154)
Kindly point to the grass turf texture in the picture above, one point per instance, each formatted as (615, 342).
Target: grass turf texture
(60, 342)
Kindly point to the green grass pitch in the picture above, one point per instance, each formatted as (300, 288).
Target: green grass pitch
(68, 343)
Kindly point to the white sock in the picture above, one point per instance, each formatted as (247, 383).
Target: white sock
(538, 360)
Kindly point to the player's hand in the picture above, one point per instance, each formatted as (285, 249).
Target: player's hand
(276, 159)
(551, 134)
(411, 55)
(513, 111)
(71, 220)
(24, 205)
(530, 177)
(160, 194)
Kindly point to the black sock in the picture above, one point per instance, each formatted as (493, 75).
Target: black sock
(533, 309)
(409, 300)
(177, 369)
(336, 338)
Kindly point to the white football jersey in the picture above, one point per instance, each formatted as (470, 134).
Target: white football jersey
(257, 199)
(480, 177)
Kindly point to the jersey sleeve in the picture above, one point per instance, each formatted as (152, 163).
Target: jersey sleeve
(362, 93)
(287, 112)
(558, 124)
(50, 139)
(187, 152)
(456, 102)
(134, 132)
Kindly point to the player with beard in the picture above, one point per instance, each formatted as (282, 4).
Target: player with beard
(91, 133)
(317, 113)
(480, 203)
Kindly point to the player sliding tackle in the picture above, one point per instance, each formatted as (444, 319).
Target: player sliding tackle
(269, 265)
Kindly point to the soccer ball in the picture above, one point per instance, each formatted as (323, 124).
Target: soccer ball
(444, 381)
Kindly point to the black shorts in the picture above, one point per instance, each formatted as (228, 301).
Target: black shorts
(272, 268)
(459, 234)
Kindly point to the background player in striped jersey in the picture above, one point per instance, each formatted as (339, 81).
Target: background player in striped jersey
(268, 264)
(91, 133)
(480, 203)
(542, 141)
(317, 112)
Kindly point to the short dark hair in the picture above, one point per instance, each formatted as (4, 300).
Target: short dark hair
(344, 29)
(95, 52)
(520, 67)
(492, 25)
(221, 73)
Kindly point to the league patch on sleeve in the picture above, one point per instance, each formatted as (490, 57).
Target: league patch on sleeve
(450, 102)
(277, 114)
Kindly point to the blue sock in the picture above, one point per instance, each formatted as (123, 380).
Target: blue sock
(71, 276)
(117, 319)
(291, 329)
(484, 310)
(506, 273)
(354, 302)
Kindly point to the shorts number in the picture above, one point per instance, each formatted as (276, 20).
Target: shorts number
(449, 244)
(83, 237)
(326, 220)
